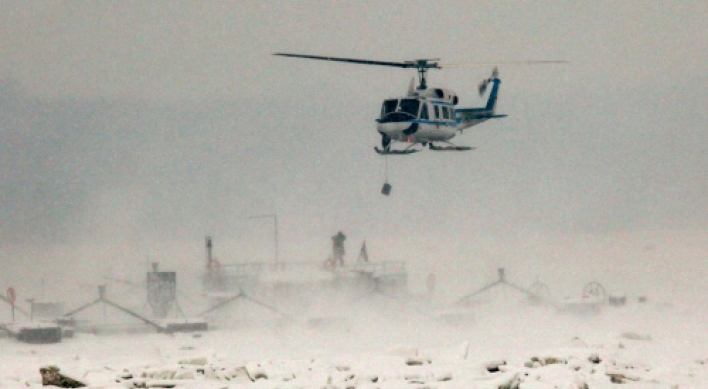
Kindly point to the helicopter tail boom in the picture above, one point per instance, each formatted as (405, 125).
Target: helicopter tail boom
(492, 101)
(471, 116)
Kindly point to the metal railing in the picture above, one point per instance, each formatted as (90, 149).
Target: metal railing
(260, 267)
(255, 268)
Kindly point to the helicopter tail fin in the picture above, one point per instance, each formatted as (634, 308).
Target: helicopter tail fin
(492, 102)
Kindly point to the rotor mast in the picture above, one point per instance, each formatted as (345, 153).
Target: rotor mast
(423, 67)
(421, 78)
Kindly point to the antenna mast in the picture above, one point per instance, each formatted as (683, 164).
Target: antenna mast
(208, 252)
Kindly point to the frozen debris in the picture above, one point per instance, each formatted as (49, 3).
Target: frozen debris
(199, 361)
(624, 365)
(543, 361)
(594, 358)
(416, 378)
(554, 376)
(160, 373)
(443, 376)
(232, 374)
(620, 376)
(342, 368)
(417, 361)
(494, 366)
(51, 376)
(185, 373)
(577, 364)
(536, 362)
(363, 379)
(280, 375)
(237, 374)
(255, 371)
(135, 383)
(508, 381)
(635, 336)
(160, 384)
(622, 371)
(339, 377)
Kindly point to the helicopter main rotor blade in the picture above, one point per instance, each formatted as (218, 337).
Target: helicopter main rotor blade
(412, 64)
(486, 64)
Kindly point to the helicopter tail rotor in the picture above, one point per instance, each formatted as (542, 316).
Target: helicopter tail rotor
(483, 85)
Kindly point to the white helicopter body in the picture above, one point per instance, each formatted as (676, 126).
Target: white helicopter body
(430, 115)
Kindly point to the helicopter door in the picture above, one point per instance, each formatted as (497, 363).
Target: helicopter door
(437, 116)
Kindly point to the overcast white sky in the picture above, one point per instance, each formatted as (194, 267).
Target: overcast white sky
(130, 130)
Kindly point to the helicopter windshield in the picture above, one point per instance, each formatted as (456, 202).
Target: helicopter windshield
(388, 107)
(410, 106)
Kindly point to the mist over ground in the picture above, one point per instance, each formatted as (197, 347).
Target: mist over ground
(128, 132)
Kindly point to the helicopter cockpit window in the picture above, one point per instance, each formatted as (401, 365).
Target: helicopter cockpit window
(437, 112)
(410, 106)
(388, 107)
(446, 112)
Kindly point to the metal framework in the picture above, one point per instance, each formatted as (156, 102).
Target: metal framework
(502, 281)
(102, 299)
(241, 295)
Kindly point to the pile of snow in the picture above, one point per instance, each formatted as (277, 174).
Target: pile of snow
(400, 367)
(519, 349)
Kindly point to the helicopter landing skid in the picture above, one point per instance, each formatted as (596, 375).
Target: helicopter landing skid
(450, 148)
(395, 152)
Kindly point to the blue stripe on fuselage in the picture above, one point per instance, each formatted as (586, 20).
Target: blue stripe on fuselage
(442, 103)
(447, 122)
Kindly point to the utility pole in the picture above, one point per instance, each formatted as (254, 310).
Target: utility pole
(208, 252)
(31, 301)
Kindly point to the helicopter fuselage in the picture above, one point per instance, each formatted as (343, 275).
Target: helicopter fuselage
(430, 115)
(439, 123)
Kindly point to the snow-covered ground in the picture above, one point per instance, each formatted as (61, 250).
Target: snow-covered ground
(385, 343)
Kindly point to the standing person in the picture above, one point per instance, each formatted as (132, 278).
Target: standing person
(338, 248)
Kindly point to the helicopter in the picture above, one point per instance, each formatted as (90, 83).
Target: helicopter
(426, 115)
